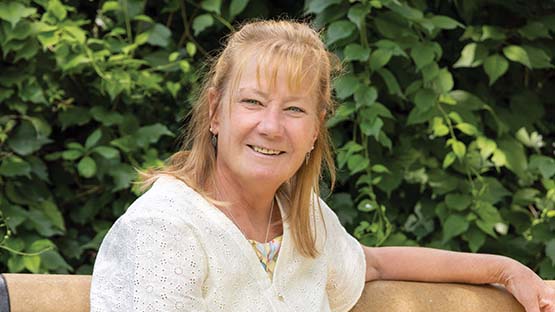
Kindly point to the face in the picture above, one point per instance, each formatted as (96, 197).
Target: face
(264, 133)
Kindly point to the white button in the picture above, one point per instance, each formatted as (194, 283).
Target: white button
(280, 297)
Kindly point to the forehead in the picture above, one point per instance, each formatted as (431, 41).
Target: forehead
(289, 71)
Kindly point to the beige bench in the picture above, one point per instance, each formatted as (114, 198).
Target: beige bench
(65, 293)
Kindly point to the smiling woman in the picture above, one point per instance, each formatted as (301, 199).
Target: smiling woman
(234, 222)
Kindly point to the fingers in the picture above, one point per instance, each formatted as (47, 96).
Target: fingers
(547, 302)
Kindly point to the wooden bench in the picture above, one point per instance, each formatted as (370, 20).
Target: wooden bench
(65, 293)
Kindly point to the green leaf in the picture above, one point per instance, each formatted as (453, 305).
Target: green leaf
(545, 165)
(12, 166)
(517, 54)
(486, 146)
(475, 238)
(425, 99)
(320, 5)
(346, 86)
(32, 263)
(495, 66)
(467, 128)
(454, 225)
(404, 10)
(72, 154)
(448, 160)
(472, 55)
(489, 217)
(201, 22)
(534, 30)
(525, 196)
(422, 54)
(458, 148)
(123, 176)
(439, 128)
(467, 100)
(151, 134)
(379, 168)
(53, 213)
(159, 35)
(93, 138)
(538, 57)
(371, 127)
(380, 58)
(419, 115)
(57, 9)
(499, 158)
(74, 116)
(356, 52)
(236, 7)
(173, 87)
(514, 155)
(391, 82)
(106, 151)
(365, 96)
(12, 12)
(52, 261)
(184, 66)
(444, 81)
(339, 30)
(110, 6)
(550, 250)
(26, 140)
(458, 202)
(357, 163)
(493, 33)
(191, 49)
(86, 167)
(107, 118)
(357, 14)
(212, 6)
(445, 22)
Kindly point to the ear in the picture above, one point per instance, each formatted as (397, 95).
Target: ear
(213, 111)
(319, 124)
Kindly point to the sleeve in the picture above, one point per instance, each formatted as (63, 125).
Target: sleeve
(346, 263)
(149, 263)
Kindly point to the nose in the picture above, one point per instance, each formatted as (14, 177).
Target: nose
(271, 123)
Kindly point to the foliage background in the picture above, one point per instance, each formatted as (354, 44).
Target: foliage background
(444, 131)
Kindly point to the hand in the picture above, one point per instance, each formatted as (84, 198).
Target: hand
(529, 289)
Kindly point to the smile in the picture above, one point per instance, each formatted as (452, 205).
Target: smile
(265, 151)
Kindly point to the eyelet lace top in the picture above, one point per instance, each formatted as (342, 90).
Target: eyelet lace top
(174, 251)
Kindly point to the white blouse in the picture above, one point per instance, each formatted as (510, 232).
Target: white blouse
(174, 251)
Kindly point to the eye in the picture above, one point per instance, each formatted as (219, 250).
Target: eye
(296, 109)
(251, 101)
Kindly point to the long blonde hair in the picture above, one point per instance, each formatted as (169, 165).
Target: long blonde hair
(278, 45)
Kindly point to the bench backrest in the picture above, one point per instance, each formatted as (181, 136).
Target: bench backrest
(65, 293)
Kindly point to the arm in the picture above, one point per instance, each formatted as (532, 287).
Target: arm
(148, 261)
(434, 265)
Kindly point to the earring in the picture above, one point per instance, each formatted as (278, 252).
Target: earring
(307, 157)
(214, 138)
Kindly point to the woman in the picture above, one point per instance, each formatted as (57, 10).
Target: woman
(207, 235)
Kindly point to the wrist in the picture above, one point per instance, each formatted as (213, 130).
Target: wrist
(507, 270)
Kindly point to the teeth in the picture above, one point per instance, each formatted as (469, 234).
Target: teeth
(265, 151)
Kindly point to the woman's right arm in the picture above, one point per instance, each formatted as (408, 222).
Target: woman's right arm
(148, 263)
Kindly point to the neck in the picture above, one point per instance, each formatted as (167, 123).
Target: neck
(249, 203)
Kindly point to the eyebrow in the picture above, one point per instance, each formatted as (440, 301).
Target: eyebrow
(265, 95)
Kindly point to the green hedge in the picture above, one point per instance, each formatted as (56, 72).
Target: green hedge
(444, 134)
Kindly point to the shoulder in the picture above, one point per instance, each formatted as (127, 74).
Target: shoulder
(168, 198)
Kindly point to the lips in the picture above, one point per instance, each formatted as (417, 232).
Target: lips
(266, 151)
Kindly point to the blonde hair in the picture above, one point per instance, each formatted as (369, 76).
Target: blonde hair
(277, 45)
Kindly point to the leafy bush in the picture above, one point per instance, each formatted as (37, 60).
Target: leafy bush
(443, 132)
